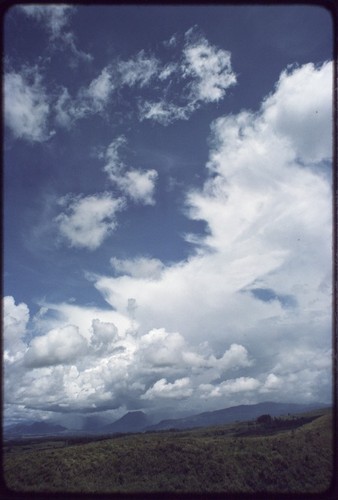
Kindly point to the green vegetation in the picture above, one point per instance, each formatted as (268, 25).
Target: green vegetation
(271, 458)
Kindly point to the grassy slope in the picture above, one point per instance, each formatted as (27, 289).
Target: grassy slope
(203, 460)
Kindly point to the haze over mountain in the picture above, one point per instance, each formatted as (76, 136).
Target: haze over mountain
(135, 421)
(235, 413)
(138, 421)
(34, 429)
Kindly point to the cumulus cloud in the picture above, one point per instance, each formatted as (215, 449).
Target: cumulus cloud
(139, 185)
(15, 320)
(162, 389)
(88, 220)
(268, 213)
(58, 346)
(238, 385)
(26, 105)
(102, 362)
(103, 336)
(298, 109)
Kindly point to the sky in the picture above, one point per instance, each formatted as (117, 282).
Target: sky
(167, 217)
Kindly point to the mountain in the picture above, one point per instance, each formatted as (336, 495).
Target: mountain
(235, 413)
(137, 421)
(133, 421)
(34, 429)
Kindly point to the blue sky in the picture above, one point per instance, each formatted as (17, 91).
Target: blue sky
(167, 208)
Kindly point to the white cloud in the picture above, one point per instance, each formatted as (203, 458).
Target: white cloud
(236, 356)
(114, 164)
(54, 17)
(162, 389)
(65, 111)
(232, 386)
(88, 220)
(210, 68)
(139, 70)
(164, 112)
(104, 335)
(272, 383)
(160, 348)
(268, 222)
(100, 89)
(26, 105)
(168, 70)
(105, 361)
(15, 320)
(90, 100)
(58, 346)
(140, 267)
(69, 40)
(138, 185)
(268, 219)
(299, 107)
(203, 76)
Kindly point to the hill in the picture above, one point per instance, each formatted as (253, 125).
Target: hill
(216, 459)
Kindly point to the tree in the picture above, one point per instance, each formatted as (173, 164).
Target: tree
(264, 419)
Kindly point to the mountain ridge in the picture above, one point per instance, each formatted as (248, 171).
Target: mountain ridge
(138, 421)
(232, 414)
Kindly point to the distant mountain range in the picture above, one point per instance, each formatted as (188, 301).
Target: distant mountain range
(137, 421)
(34, 429)
(235, 413)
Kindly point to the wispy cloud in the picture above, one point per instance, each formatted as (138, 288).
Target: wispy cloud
(209, 67)
(164, 112)
(200, 75)
(89, 100)
(203, 75)
(56, 19)
(138, 70)
(138, 185)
